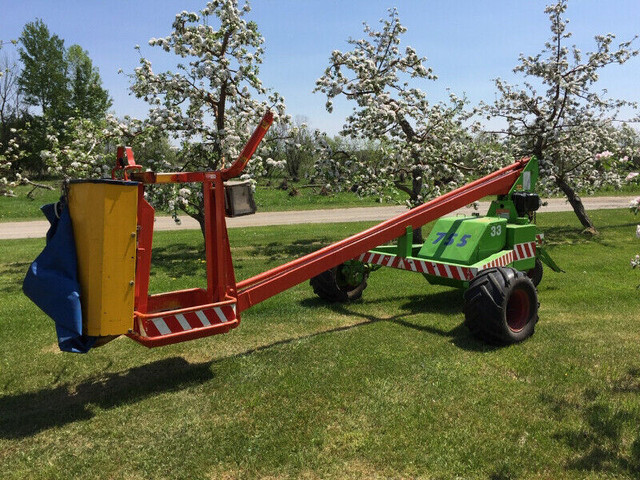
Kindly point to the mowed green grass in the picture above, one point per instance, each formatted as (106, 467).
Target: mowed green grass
(392, 386)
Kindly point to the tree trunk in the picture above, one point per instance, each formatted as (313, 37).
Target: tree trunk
(578, 207)
(200, 220)
(197, 215)
(415, 193)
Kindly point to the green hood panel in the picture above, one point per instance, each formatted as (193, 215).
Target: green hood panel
(464, 240)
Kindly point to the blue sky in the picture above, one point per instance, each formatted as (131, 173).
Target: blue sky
(467, 42)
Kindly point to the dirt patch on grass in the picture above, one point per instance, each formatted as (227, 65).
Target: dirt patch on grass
(52, 348)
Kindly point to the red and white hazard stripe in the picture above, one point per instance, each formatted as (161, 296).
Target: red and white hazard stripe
(380, 259)
(524, 250)
(420, 266)
(182, 322)
(502, 261)
(520, 251)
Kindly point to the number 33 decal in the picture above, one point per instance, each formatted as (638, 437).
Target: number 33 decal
(496, 230)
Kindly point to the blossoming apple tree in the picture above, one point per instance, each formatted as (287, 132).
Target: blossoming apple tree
(10, 151)
(85, 147)
(423, 143)
(558, 115)
(9, 178)
(208, 103)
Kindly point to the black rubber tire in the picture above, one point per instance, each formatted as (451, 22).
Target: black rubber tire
(501, 306)
(535, 274)
(330, 286)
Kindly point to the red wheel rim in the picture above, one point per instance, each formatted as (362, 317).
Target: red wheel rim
(518, 310)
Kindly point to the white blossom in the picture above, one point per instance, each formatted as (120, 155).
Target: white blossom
(421, 145)
(557, 115)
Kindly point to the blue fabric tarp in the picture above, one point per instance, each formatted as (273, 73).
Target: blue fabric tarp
(52, 282)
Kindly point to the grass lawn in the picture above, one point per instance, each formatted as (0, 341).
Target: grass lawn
(22, 207)
(391, 386)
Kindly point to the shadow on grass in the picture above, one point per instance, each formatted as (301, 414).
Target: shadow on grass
(26, 414)
(178, 260)
(447, 302)
(601, 441)
(186, 260)
(285, 251)
(16, 270)
(573, 235)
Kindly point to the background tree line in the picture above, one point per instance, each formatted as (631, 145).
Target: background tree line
(51, 85)
(55, 118)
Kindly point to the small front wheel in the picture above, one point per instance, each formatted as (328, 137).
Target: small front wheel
(501, 306)
(343, 283)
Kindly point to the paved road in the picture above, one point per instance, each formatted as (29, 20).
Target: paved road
(37, 229)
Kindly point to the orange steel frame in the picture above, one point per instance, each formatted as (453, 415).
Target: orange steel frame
(222, 288)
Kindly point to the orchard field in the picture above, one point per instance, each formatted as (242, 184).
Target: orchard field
(391, 386)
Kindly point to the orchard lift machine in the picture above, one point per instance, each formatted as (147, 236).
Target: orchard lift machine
(496, 258)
